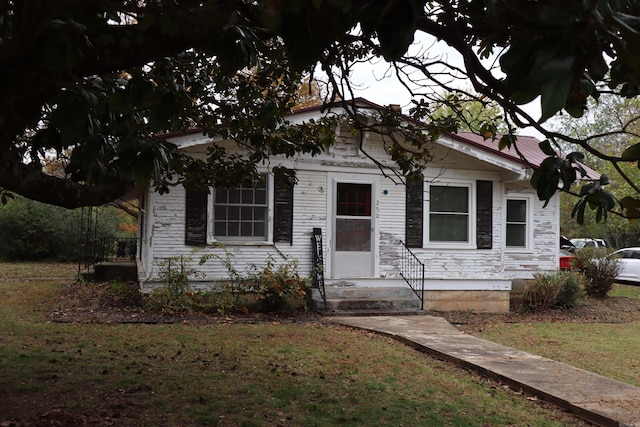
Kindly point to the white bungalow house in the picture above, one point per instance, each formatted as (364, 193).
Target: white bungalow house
(474, 223)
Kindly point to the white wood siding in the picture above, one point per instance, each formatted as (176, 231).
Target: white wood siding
(164, 223)
(543, 256)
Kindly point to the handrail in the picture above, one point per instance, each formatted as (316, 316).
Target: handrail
(412, 271)
(116, 249)
(318, 265)
(106, 249)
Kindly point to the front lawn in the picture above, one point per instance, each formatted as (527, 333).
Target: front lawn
(231, 372)
(599, 335)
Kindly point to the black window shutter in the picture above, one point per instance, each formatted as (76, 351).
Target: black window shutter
(196, 218)
(484, 214)
(284, 180)
(413, 211)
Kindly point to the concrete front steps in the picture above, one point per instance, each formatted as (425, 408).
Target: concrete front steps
(106, 271)
(346, 299)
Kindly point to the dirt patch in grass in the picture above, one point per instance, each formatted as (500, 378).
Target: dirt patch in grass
(96, 303)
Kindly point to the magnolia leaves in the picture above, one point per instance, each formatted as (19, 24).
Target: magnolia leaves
(558, 51)
(540, 68)
(632, 154)
(394, 22)
(560, 172)
(309, 28)
(630, 207)
(597, 198)
(556, 172)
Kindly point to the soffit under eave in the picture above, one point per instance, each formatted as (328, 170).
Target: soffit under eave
(497, 161)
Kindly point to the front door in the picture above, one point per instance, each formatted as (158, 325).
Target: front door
(352, 230)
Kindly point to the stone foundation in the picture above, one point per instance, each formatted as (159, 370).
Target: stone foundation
(478, 301)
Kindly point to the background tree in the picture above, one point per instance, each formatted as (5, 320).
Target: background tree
(474, 115)
(36, 231)
(311, 93)
(108, 79)
(619, 232)
(612, 126)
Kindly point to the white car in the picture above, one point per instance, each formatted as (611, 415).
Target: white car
(587, 242)
(629, 262)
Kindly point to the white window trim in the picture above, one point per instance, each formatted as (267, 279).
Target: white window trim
(471, 243)
(528, 247)
(211, 238)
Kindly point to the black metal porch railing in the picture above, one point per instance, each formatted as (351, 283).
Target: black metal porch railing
(116, 249)
(412, 271)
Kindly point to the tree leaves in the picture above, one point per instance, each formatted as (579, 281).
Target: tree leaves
(597, 198)
(556, 50)
(106, 80)
(632, 153)
(394, 22)
(561, 172)
(631, 207)
(554, 173)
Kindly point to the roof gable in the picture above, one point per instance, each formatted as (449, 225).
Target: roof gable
(528, 152)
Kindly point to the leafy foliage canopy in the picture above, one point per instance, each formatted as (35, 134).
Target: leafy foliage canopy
(102, 83)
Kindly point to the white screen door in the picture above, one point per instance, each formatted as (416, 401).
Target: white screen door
(353, 230)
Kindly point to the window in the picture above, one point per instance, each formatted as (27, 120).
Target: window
(449, 214)
(196, 217)
(456, 215)
(353, 217)
(241, 213)
(516, 236)
(354, 199)
(628, 253)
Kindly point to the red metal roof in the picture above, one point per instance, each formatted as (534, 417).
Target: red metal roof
(528, 150)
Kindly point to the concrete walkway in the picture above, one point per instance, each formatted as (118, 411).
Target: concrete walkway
(595, 398)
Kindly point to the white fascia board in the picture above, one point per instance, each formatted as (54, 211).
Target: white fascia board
(191, 140)
(485, 156)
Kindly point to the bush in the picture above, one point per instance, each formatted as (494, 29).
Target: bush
(599, 269)
(571, 289)
(175, 295)
(280, 288)
(553, 289)
(542, 292)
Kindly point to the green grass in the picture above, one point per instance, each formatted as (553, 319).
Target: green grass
(628, 291)
(234, 374)
(29, 270)
(607, 349)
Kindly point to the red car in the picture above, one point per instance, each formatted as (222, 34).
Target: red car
(567, 257)
(566, 260)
